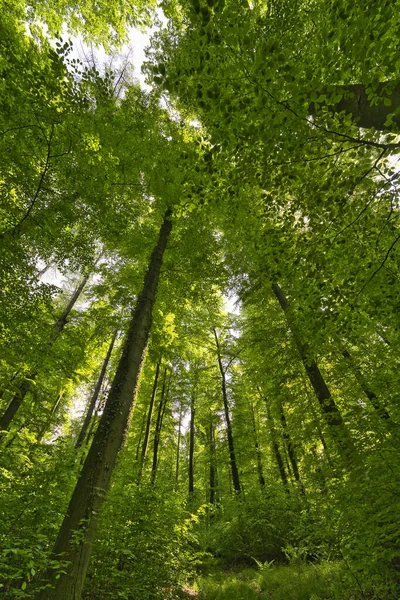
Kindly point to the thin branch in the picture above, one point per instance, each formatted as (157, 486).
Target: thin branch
(39, 187)
(380, 266)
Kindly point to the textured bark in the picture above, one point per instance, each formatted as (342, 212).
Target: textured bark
(78, 530)
(231, 445)
(178, 448)
(290, 449)
(191, 443)
(274, 443)
(355, 102)
(260, 471)
(148, 423)
(63, 318)
(328, 406)
(25, 386)
(157, 433)
(381, 410)
(95, 395)
(142, 430)
(213, 465)
(48, 423)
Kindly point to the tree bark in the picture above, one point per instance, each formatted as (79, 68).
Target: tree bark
(354, 101)
(47, 425)
(178, 448)
(381, 410)
(95, 395)
(213, 466)
(231, 446)
(191, 443)
(260, 471)
(275, 445)
(78, 530)
(328, 406)
(290, 449)
(148, 423)
(25, 386)
(157, 433)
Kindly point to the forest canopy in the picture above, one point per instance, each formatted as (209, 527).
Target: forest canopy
(199, 289)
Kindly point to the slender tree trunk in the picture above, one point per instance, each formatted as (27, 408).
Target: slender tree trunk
(148, 424)
(381, 410)
(231, 446)
(25, 386)
(213, 466)
(260, 471)
(142, 430)
(46, 426)
(178, 448)
(328, 406)
(63, 318)
(77, 533)
(275, 445)
(191, 443)
(290, 449)
(157, 433)
(95, 395)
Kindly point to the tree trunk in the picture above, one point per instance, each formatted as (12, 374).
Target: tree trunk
(142, 430)
(46, 426)
(275, 445)
(157, 433)
(261, 478)
(95, 395)
(148, 424)
(231, 446)
(381, 410)
(191, 443)
(290, 449)
(77, 533)
(213, 466)
(25, 386)
(328, 406)
(354, 101)
(63, 318)
(178, 448)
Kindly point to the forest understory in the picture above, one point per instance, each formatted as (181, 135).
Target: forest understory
(199, 300)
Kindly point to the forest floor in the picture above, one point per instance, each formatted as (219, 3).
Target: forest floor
(323, 581)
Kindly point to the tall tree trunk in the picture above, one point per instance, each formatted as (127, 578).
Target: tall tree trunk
(25, 386)
(328, 406)
(46, 426)
(178, 448)
(381, 410)
(191, 443)
(157, 433)
(148, 423)
(95, 395)
(63, 318)
(142, 430)
(290, 448)
(274, 443)
(213, 465)
(231, 446)
(76, 535)
(260, 471)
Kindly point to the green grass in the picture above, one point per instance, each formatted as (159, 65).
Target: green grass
(301, 581)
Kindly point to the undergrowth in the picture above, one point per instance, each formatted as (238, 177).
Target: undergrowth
(302, 581)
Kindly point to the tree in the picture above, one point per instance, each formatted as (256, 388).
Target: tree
(82, 515)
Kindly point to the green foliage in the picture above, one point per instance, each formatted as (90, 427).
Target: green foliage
(323, 581)
(150, 553)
